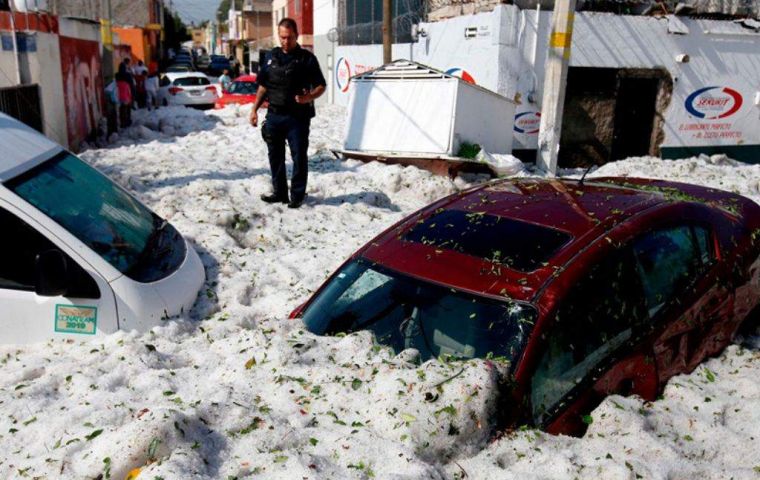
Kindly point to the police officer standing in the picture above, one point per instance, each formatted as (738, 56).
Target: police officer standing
(291, 80)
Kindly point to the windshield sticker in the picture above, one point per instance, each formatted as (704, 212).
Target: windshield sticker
(76, 319)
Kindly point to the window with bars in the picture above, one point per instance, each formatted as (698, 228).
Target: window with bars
(361, 21)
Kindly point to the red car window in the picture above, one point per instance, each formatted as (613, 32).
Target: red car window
(243, 88)
(669, 260)
(595, 319)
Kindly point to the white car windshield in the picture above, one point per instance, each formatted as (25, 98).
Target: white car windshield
(107, 219)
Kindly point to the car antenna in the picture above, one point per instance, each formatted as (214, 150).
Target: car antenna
(580, 182)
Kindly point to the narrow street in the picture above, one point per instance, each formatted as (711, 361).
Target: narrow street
(235, 389)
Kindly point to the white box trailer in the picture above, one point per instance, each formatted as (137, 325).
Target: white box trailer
(408, 109)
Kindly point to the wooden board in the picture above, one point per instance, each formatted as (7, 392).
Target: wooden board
(445, 166)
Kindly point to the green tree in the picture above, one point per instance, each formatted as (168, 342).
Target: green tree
(224, 8)
(175, 32)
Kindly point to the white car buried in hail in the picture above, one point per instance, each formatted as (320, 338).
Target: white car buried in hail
(192, 89)
(79, 256)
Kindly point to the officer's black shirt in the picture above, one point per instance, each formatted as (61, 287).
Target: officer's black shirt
(286, 75)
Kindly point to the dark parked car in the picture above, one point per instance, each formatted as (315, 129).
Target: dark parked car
(218, 65)
(203, 62)
(612, 286)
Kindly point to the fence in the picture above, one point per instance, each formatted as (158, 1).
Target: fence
(360, 22)
(22, 103)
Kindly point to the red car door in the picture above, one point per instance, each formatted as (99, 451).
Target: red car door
(635, 374)
(687, 301)
(593, 346)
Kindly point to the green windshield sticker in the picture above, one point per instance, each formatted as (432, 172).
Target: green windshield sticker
(76, 319)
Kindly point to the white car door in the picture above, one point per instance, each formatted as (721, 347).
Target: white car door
(87, 308)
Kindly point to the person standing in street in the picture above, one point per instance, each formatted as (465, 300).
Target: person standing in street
(290, 80)
(151, 91)
(225, 80)
(124, 93)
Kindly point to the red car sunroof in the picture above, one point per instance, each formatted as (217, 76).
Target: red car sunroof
(515, 244)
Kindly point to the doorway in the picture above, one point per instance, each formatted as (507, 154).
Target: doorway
(634, 117)
(611, 114)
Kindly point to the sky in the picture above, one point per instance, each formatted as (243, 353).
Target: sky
(195, 11)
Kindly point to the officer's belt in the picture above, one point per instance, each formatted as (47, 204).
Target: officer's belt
(280, 110)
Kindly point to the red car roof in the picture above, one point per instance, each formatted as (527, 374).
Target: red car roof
(245, 78)
(583, 212)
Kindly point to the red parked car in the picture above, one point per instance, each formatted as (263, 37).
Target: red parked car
(242, 90)
(585, 289)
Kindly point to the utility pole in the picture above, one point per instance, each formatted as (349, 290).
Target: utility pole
(162, 34)
(107, 37)
(14, 34)
(387, 31)
(555, 83)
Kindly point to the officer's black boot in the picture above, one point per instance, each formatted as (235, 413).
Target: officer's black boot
(296, 202)
(274, 198)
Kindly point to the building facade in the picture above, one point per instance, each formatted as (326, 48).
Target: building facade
(302, 11)
(54, 67)
(685, 86)
(139, 24)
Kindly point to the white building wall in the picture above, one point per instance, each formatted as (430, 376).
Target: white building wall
(721, 54)
(443, 47)
(325, 16)
(507, 51)
(42, 67)
(48, 75)
(325, 19)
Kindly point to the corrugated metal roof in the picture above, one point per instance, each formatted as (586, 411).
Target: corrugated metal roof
(22, 147)
(401, 69)
(409, 70)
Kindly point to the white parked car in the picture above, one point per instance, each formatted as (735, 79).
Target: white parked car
(192, 89)
(79, 255)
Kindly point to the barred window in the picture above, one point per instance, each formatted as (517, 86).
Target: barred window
(361, 21)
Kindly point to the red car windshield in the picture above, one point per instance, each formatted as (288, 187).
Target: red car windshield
(404, 312)
(243, 88)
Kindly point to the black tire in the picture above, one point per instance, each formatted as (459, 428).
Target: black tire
(750, 327)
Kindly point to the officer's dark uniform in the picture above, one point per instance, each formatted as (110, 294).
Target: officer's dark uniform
(286, 75)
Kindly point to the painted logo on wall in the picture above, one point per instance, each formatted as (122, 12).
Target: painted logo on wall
(713, 103)
(461, 73)
(527, 122)
(342, 74)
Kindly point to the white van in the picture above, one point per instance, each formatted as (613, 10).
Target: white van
(79, 255)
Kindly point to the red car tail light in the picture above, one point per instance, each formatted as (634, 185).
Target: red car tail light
(175, 90)
(212, 88)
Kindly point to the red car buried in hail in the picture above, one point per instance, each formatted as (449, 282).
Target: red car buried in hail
(584, 289)
(242, 90)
